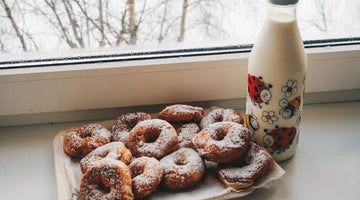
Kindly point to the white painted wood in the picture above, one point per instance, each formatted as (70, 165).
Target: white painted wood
(158, 81)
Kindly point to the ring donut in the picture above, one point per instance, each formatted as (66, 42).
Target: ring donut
(243, 173)
(146, 176)
(124, 124)
(182, 169)
(222, 142)
(221, 115)
(152, 138)
(113, 150)
(180, 112)
(108, 179)
(80, 141)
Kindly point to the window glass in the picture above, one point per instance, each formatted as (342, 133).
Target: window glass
(58, 26)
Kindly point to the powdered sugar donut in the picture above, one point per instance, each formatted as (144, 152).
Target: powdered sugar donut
(222, 142)
(242, 173)
(146, 176)
(124, 124)
(108, 179)
(182, 169)
(152, 138)
(221, 115)
(186, 133)
(81, 140)
(113, 150)
(179, 112)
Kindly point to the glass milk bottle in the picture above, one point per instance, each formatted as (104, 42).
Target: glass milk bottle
(276, 75)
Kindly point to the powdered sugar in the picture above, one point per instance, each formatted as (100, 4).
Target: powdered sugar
(255, 160)
(220, 115)
(186, 133)
(181, 167)
(180, 112)
(82, 140)
(165, 143)
(108, 179)
(146, 173)
(113, 150)
(124, 124)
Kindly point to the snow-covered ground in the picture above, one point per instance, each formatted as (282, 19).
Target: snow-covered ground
(207, 23)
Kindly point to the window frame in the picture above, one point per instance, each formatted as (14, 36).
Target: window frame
(34, 88)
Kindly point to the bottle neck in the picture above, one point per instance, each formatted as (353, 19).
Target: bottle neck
(281, 10)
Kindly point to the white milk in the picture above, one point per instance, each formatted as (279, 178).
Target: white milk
(276, 75)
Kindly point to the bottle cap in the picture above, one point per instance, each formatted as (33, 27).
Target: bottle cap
(283, 2)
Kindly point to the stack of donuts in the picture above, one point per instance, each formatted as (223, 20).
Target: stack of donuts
(140, 154)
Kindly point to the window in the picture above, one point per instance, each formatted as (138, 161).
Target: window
(108, 26)
(64, 55)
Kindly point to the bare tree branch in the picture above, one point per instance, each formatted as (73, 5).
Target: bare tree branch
(14, 25)
(182, 25)
(132, 21)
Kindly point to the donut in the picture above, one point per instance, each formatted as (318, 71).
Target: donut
(152, 138)
(179, 112)
(221, 115)
(146, 174)
(222, 142)
(124, 123)
(108, 179)
(82, 140)
(183, 168)
(243, 173)
(186, 133)
(113, 150)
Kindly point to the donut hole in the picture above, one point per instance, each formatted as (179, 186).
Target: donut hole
(181, 162)
(85, 135)
(136, 171)
(152, 135)
(219, 134)
(219, 118)
(102, 187)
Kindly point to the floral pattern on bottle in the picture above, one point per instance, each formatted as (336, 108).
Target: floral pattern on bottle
(290, 88)
(258, 90)
(279, 139)
(269, 117)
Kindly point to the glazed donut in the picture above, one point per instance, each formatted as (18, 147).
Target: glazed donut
(82, 140)
(179, 112)
(221, 115)
(152, 138)
(124, 124)
(242, 173)
(113, 150)
(108, 179)
(146, 174)
(182, 169)
(186, 133)
(222, 142)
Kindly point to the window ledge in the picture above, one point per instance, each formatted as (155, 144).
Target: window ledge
(159, 81)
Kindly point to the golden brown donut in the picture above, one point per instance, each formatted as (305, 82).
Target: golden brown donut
(182, 169)
(186, 133)
(146, 176)
(221, 115)
(108, 179)
(113, 150)
(124, 124)
(152, 138)
(222, 142)
(242, 173)
(180, 112)
(82, 140)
